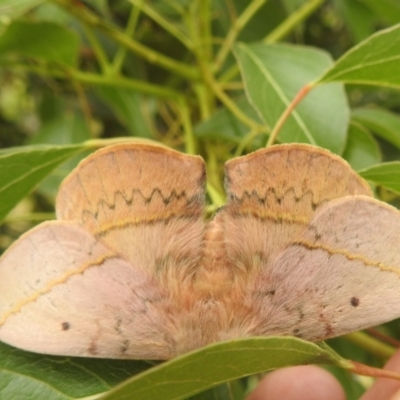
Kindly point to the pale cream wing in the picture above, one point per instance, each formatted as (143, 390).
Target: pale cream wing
(144, 202)
(62, 292)
(341, 275)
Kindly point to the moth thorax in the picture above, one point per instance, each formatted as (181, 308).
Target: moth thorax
(213, 244)
(214, 277)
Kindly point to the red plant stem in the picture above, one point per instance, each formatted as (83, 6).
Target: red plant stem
(362, 369)
(384, 338)
(278, 126)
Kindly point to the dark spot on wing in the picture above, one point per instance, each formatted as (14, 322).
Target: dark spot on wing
(328, 329)
(65, 326)
(117, 326)
(354, 301)
(92, 349)
(265, 293)
(296, 332)
(125, 346)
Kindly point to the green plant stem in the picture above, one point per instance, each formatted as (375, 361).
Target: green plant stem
(234, 31)
(294, 19)
(205, 29)
(371, 344)
(190, 143)
(88, 17)
(101, 80)
(282, 30)
(98, 49)
(129, 30)
(216, 197)
(202, 100)
(226, 100)
(140, 86)
(31, 217)
(99, 143)
(285, 115)
(245, 141)
(211, 208)
(87, 112)
(165, 24)
(198, 23)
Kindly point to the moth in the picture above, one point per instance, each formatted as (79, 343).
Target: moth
(131, 269)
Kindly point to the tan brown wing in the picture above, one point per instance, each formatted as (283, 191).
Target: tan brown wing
(272, 194)
(144, 202)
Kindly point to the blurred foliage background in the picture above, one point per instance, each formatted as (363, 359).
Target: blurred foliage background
(73, 71)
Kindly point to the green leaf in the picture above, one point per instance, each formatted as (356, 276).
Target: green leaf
(40, 40)
(267, 18)
(387, 10)
(352, 387)
(234, 390)
(223, 125)
(22, 168)
(31, 376)
(362, 150)
(63, 129)
(50, 12)
(218, 363)
(360, 20)
(274, 74)
(14, 8)
(131, 109)
(375, 61)
(383, 123)
(385, 174)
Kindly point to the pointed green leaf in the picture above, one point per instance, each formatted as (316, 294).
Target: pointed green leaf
(361, 150)
(65, 128)
(40, 40)
(359, 19)
(14, 8)
(223, 124)
(31, 376)
(383, 123)
(22, 168)
(130, 108)
(375, 61)
(387, 10)
(218, 363)
(385, 174)
(352, 387)
(274, 74)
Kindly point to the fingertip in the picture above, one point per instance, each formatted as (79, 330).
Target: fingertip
(383, 388)
(298, 383)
